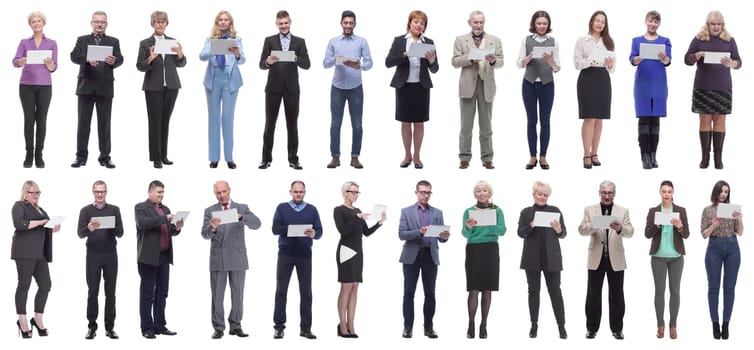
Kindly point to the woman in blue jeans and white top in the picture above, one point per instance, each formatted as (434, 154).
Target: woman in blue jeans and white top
(723, 255)
(667, 252)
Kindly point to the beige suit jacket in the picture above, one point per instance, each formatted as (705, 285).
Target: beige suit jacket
(470, 70)
(614, 241)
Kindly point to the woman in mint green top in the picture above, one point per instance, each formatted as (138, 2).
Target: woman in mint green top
(482, 225)
(667, 252)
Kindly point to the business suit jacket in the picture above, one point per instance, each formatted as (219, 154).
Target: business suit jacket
(470, 70)
(36, 243)
(95, 80)
(396, 59)
(655, 232)
(408, 231)
(283, 76)
(153, 73)
(536, 236)
(231, 65)
(614, 240)
(148, 223)
(228, 249)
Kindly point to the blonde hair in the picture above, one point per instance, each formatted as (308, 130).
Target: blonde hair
(704, 35)
(347, 186)
(37, 14)
(483, 184)
(28, 186)
(216, 33)
(540, 186)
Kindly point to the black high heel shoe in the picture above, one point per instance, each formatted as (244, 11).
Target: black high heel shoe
(41, 331)
(470, 331)
(483, 330)
(22, 333)
(341, 334)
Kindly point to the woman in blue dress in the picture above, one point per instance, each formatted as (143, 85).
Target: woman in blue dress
(650, 86)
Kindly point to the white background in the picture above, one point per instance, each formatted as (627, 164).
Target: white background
(379, 321)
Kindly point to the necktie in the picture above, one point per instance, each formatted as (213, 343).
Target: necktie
(97, 39)
(225, 206)
(605, 250)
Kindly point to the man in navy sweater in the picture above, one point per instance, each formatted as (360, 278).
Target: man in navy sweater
(295, 223)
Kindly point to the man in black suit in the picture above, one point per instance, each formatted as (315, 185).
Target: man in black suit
(101, 256)
(154, 242)
(160, 86)
(95, 86)
(282, 84)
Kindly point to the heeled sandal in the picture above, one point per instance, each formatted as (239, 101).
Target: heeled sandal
(587, 165)
(595, 162)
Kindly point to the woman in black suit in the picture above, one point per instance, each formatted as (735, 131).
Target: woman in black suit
(351, 223)
(32, 250)
(542, 254)
(412, 83)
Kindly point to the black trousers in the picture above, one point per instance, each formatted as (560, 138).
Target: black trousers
(104, 110)
(272, 108)
(159, 109)
(28, 268)
(35, 101)
(552, 280)
(616, 301)
(100, 265)
(285, 267)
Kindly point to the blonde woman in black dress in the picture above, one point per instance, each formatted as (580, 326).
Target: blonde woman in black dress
(351, 223)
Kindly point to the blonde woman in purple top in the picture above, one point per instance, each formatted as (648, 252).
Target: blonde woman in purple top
(35, 89)
(713, 88)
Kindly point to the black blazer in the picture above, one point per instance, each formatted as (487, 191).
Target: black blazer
(153, 76)
(35, 244)
(95, 80)
(148, 223)
(396, 58)
(283, 76)
(655, 232)
(536, 237)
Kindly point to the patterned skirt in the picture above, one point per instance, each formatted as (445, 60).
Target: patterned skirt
(712, 102)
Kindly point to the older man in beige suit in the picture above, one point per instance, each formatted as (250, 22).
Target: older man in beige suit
(478, 54)
(606, 224)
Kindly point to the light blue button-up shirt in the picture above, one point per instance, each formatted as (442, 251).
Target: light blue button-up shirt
(353, 46)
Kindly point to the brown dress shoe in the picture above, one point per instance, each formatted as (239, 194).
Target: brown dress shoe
(488, 164)
(464, 164)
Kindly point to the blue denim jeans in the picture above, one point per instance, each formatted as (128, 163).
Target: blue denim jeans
(542, 94)
(426, 266)
(338, 98)
(723, 255)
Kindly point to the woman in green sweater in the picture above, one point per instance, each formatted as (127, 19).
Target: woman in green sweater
(482, 225)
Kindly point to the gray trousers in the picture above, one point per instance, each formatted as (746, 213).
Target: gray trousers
(469, 107)
(218, 280)
(672, 268)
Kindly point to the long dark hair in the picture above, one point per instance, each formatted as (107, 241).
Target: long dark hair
(606, 39)
(717, 189)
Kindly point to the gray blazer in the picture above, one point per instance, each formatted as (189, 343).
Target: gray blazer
(408, 231)
(228, 249)
(28, 243)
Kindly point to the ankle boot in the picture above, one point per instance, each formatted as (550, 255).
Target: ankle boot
(654, 139)
(646, 160)
(717, 142)
(29, 158)
(653, 159)
(38, 161)
(724, 333)
(716, 329)
(470, 330)
(705, 138)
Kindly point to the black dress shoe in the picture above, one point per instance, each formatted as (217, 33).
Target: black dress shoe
(533, 330)
(530, 166)
(407, 332)
(618, 335)
(279, 333)
(591, 334)
(562, 332)
(418, 165)
(166, 331)
(405, 165)
(107, 164)
(111, 334)
(167, 161)
(430, 333)
(238, 332)
(264, 164)
(149, 334)
(231, 165)
(217, 335)
(295, 165)
(157, 164)
(212, 165)
(483, 331)
(78, 163)
(308, 335)
(470, 331)
(90, 334)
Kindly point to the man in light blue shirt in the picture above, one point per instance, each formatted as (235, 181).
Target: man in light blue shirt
(350, 55)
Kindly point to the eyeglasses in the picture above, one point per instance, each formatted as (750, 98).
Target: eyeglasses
(99, 22)
(99, 192)
(424, 193)
(607, 193)
(354, 192)
(34, 193)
